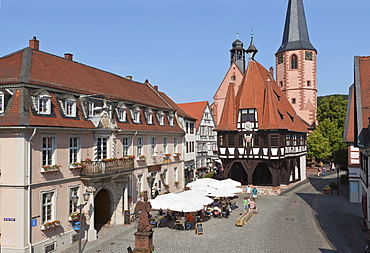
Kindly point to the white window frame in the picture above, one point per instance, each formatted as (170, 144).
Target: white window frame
(73, 190)
(122, 114)
(101, 147)
(44, 104)
(139, 182)
(50, 201)
(175, 145)
(126, 143)
(149, 117)
(70, 108)
(48, 151)
(170, 119)
(74, 150)
(165, 145)
(91, 109)
(140, 144)
(153, 146)
(175, 176)
(136, 115)
(2, 100)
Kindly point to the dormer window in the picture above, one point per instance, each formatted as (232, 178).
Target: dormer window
(121, 112)
(1, 102)
(170, 119)
(70, 107)
(136, 115)
(248, 115)
(160, 117)
(91, 109)
(149, 116)
(44, 105)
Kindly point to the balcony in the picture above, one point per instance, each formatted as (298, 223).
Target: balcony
(95, 169)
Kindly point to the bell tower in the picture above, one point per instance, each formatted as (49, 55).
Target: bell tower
(237, 54)
(296, 64)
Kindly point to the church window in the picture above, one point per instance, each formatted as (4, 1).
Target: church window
(293, 100)
(233, 78)
(281, 84)
(308, 83)
(280, 58)
(294, 62)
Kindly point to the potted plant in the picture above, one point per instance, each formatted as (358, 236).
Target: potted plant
(167, 155)
(327, 189)
(177, 154)
(87, 160)
(177, 183)
(130, 157)
(142, 157)
(50, 168)
(76, 165)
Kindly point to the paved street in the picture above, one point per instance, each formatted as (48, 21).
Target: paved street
(300, 220)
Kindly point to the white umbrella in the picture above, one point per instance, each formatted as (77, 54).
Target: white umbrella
(224, 192)
(159, 204)
(184, 206)
(201, 181)
(225, 183)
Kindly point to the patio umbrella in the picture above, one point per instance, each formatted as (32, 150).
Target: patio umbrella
(184, 206)
(201, 181)
(159, 204)
(224, 192)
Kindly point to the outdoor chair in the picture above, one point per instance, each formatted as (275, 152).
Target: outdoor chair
(161, 223)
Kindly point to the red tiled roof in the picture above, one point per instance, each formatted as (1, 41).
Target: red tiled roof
(229, 113)
(364, 66)
(349, 130)
(179, 110)
(10, 67)
(258, 90)
(195, 109)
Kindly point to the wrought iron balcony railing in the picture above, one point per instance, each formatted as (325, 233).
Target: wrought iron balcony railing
(101, 168)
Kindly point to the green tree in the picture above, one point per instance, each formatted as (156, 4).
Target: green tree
(318, 146)
(333, 108)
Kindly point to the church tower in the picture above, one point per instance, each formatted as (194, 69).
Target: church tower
(296, 64)
(237, 55)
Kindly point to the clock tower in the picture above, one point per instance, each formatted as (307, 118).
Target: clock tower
(296, 64)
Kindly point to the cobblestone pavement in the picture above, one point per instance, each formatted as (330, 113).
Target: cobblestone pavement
(300, 220)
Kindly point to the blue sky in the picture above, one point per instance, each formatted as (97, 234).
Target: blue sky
(183, 46)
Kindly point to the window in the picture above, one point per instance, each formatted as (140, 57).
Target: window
(287, 139)
(170, 120)
(73, 191)
(274, 140)
(175, 145)
(192, 128)
(126, 146)
(265, 141)
(230, 140)
(139, 183)
(294, 140)
(241, 141)
(74, 148)
(165, 145)
(165, 181)
(70, 108)
(47, 213)
(175, 174)
(136, 115)
(293, 100)
(187, 147)
(153, 146)
(101, 148)
(139, 146)
(1, 102)
(121, 114)
(149, 117)
(44, 105)
(308, 83)
(280, 58)
(247, 115)
(281, 84)
(47, 150)
(160, 116)
(221, 140)
(91, 109)
(187, 127)
(256, 141)
(294, 62)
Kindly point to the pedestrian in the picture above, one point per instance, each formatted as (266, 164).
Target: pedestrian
(254, 192)
(245, 204)
(318, 171)
(248, 190)
(323, 171)
(155, 191)
(332, 167)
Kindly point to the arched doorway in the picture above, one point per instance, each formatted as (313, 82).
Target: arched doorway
(262, 175)
(102, 209)
(238, 173)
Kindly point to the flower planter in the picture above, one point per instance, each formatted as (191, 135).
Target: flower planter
(327, 191)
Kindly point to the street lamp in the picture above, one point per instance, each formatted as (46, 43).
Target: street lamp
(338, 167)
(86, 197)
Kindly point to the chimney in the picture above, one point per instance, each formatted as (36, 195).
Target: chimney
(155, 87)
(271, 70)
(34, 43)
(68, 56)
(129, 77)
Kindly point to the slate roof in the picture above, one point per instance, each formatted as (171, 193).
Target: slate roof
(195, 110)
(258, 90)
(32, 68)
(295, 31)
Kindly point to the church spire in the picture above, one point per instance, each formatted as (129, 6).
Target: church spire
(295, 30)
(251, 50)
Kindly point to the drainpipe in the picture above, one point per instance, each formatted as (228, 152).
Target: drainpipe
(29, 189)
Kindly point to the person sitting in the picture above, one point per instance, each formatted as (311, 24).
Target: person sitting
(225, 211)
(217, 212)
(190, 220)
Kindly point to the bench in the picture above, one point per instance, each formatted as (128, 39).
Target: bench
(244, 218)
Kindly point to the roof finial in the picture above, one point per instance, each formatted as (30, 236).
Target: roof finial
(252, 50)
(237, 35)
